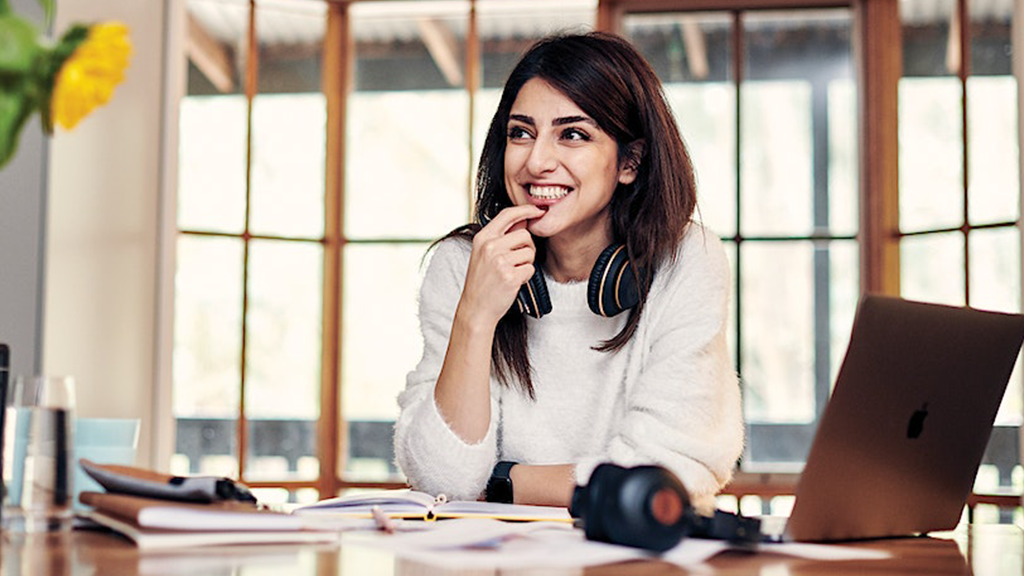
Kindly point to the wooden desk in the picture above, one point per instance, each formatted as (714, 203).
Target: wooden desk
(984, 550)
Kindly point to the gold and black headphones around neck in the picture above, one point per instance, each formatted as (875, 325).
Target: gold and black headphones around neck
(613, 286)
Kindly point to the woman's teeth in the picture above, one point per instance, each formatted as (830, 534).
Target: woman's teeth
(548, 192)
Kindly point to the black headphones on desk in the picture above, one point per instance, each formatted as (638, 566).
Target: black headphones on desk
(648, 507)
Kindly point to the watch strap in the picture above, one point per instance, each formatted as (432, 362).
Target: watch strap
(499, 486)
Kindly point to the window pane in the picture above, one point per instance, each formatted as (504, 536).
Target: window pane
(778, 331)
(776, 158)
(994, 161)
(844, 296)
(212, 120)
(706, 114)
(207, 354)
(932, 268)
(930, 120)
(692, 54)
(995, 269)
(381, 343)
(407, 151)
(930, 154)
(996, 285)
(787, 144)
(290, 35)
(994, 167)
(282, 394)
(795, 328)
(288, 139)
(843, 158)
(289, 120)
(211, 163)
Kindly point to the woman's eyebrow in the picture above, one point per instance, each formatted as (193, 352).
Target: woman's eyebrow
(522, 118)
(572, 120)
(562, 121)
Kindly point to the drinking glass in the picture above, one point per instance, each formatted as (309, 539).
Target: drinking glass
(37, 454)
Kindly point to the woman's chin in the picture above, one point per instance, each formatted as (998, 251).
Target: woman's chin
(540, 227)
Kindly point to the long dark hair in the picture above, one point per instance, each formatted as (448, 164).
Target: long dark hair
(611, 82)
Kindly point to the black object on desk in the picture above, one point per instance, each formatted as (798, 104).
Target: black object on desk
(5, 364)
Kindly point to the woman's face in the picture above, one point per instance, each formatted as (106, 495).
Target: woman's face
(556, 157)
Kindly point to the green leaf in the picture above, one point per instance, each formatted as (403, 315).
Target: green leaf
(15, 109)
(19, 44)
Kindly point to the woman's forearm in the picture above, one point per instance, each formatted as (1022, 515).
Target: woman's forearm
(463, 393)
(544, 485)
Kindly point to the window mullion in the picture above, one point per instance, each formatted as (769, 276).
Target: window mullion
(335, 78)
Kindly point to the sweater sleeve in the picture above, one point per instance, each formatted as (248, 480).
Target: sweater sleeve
(433, 458)
(683, 411)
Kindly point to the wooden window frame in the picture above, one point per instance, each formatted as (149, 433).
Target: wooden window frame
(877, 49)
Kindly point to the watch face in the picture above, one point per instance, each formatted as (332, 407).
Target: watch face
(499, 489)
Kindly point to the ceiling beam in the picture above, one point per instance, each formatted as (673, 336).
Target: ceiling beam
(210, 57)
(443, 48)
(696, 48)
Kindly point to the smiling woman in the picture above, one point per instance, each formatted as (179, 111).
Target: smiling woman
(583, 172)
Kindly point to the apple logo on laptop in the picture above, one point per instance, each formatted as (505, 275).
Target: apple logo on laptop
(916, 424)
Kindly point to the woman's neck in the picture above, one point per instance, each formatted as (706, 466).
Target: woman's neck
(572, 259)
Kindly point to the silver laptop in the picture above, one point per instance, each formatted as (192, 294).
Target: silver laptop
(901, 439)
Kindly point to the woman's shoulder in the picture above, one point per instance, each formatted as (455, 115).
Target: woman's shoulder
(451, 252)
(698, 275)
(700, 249)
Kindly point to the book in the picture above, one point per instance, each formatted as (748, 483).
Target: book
(153, 523)
(412, 504)
(154, 538)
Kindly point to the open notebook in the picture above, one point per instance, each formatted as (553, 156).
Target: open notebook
(420, 505)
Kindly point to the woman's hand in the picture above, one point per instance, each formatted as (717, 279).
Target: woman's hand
(501, 262)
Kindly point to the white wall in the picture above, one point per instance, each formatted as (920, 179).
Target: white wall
(100, 319)
(22, 253)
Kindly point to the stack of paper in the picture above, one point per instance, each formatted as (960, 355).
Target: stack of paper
(153, 523)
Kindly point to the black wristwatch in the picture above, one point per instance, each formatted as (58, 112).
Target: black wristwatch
(499, 487)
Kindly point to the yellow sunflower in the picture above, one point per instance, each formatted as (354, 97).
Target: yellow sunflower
(87, 78)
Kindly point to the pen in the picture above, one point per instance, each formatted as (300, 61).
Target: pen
(383, 522)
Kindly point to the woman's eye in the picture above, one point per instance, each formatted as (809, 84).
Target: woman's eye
(517, 133)
(575, 134)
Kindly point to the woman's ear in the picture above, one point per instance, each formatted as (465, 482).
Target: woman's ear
(635, 151)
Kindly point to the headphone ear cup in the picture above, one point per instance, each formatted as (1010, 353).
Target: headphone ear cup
(597, 502)
(533, 296)
(612, 287)
(652, 509)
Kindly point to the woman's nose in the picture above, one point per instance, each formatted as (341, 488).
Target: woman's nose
(543, 156)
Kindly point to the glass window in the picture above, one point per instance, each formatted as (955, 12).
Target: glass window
(382, 344)
(207, 354)
(282, 362)
(211, 163)
(788, 145)
(250, 259)
(407, 159)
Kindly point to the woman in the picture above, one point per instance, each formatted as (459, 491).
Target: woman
(582, 154)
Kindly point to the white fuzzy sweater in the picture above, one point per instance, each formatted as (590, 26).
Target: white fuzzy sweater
(669, 397)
